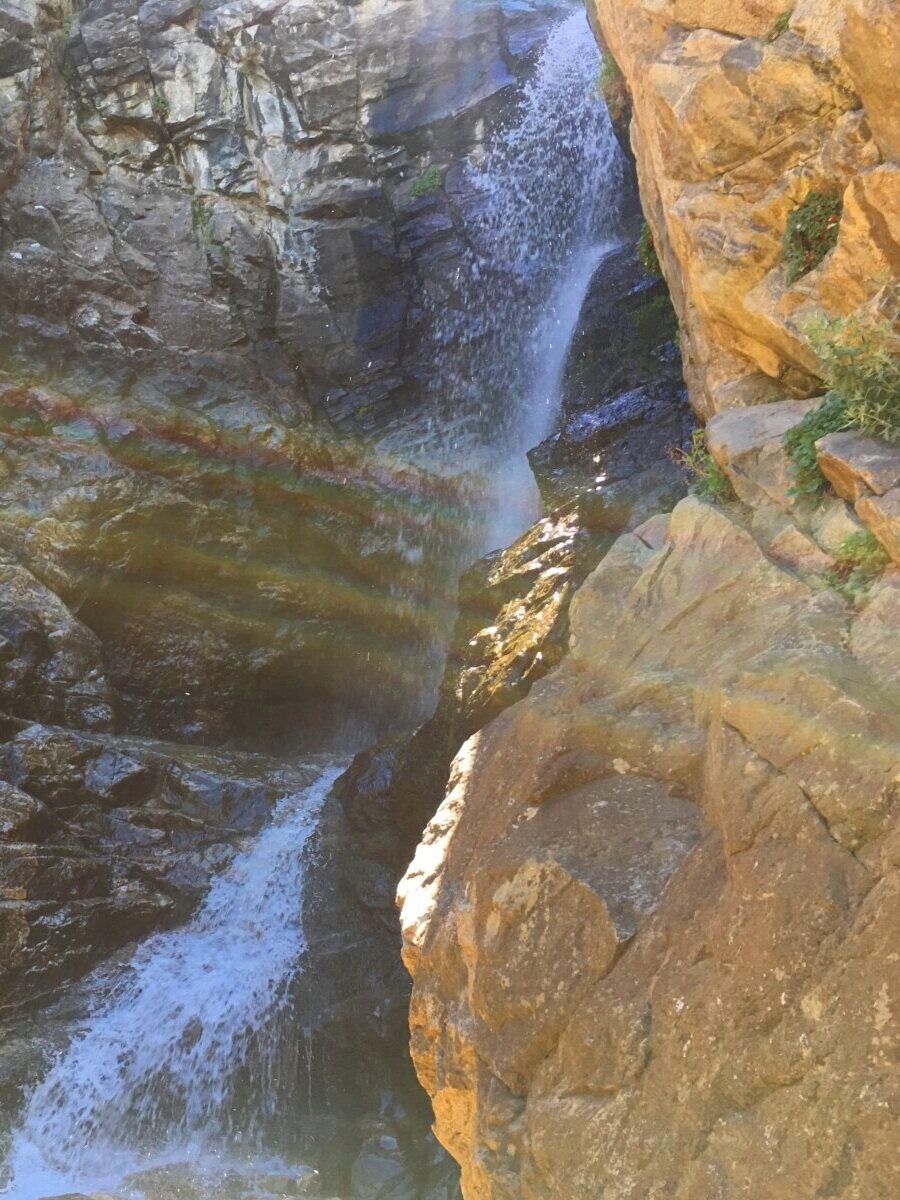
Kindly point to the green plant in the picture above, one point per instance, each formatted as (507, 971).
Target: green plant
(160, 106)
(861, 364)
(779, 25)
(800, 444)
(646, 251)
(859, 561)
(709, 480)
(612, 88)
(429, 181)
(810, 233)
(58, 44)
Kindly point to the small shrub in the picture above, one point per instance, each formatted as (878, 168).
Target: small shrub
(160, 106)
(646, 251)
(429, 181)
(58, 45)
(861, 364)
(811, 232)
(779, 25)
(860, 560)
(709, 480)
(612, 88)
(800, 445)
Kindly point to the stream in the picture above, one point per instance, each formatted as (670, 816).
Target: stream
(178, 1060)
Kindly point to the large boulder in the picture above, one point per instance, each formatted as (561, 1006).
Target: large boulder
(748, 444)
(857, 466)
(633, 916)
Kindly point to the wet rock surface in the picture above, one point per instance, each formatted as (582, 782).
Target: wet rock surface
(229, 582)
(219, 198)
(107, 838)
(224, 229)
(623, 398)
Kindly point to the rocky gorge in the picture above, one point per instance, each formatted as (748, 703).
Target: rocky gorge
(652, 927)
(289, 290)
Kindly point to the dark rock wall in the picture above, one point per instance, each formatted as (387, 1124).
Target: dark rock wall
(219, 201)
(219, 250)
(220, 246)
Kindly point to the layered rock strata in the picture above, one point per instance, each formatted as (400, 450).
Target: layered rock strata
(226, 199)
(224, 232)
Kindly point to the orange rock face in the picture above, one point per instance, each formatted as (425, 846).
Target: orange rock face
(651, 927)
(740, 111)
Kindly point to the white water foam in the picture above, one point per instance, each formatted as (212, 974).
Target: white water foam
(542, 208)
(153, 1076)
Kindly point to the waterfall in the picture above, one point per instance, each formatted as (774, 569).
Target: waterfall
(541, 208)
(179, 1061)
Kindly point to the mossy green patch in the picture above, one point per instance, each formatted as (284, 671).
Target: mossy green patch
(612, 88)
(428, 183)
(646, 251)
(780, 25)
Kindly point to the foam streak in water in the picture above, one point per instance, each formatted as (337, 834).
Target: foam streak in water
(197, 1017)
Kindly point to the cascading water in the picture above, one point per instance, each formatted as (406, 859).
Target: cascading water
(180, 1060)
(541, 209)
(155, 1074)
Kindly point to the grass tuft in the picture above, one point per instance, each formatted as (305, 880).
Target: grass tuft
(612, 88)
(811, 232)
(646, 251)
(780, 25)
(709, 480)
(861, 366)
(860, 561)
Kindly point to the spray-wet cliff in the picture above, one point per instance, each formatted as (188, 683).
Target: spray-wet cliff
(225, 229)
(652, 928)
